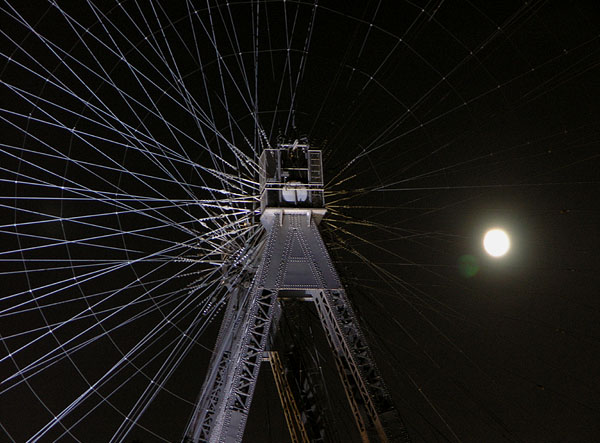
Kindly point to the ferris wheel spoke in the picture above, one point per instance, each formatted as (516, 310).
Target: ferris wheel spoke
(128, 99)
(156, 384)
(80, 279)
(90, 308)
(139, 76)
(94, 241)
(128, 358)
(236, 152)
(61, 352)
(158, 302)
(88, 297)
(132, 135)
(87, 169)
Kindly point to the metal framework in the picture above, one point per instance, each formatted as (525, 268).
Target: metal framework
(293, 418)
(294, 264)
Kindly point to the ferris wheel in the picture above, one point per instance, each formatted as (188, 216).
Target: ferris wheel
(131, 173)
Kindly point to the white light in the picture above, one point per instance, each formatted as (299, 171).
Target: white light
(294, 192)
(496, 242)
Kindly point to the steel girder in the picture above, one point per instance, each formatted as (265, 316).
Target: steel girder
(295, 261)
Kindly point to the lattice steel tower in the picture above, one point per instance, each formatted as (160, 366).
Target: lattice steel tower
(294, 264)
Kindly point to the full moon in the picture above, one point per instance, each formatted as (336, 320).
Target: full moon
(496, 242)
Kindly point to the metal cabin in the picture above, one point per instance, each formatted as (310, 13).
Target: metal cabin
(291, 182)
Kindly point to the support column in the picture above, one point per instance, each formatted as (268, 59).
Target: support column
(295, 263)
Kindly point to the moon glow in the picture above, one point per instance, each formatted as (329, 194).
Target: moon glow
(496, 242)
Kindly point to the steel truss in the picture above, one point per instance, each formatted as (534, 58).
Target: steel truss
(294, 263)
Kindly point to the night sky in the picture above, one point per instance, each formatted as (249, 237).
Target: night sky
(130, 134)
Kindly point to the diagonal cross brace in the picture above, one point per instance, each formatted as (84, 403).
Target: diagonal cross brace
(295, 260)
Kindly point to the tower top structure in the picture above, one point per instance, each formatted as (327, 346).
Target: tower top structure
(294, 264)
(291, 182)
